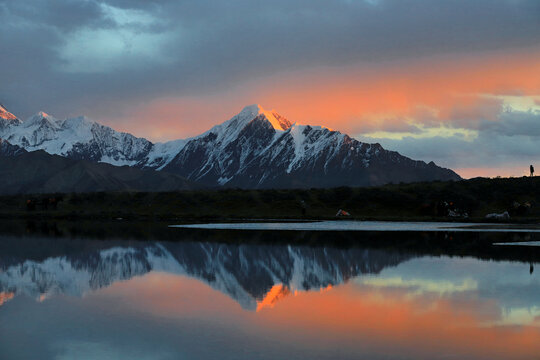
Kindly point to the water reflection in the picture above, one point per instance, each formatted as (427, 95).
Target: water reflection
(254, 276)
(114, 299)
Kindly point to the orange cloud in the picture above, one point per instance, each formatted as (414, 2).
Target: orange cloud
(356, 98)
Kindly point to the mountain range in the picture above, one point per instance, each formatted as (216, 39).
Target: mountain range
(256, 148)
(39, 172)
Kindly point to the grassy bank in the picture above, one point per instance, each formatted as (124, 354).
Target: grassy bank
(418, 201)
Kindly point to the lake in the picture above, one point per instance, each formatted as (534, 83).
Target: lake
(149, 291)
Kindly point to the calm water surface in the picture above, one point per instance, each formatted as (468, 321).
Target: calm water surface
(208, 295)
(344, 225)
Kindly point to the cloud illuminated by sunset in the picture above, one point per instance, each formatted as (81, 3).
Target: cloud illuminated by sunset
(450, 92)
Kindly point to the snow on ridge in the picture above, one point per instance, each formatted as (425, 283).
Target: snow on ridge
(41, 117)
(107, 159)
(162, 153)
(229, 131)
(79, 137)
(297, 133)
(234, 125)
(304, 148)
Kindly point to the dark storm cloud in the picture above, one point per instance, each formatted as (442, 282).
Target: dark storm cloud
(70, 55)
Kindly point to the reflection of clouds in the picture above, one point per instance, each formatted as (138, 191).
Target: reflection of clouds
(420, 286)
(508, 286)
(513, 295)
(82, 350)
(520, 316)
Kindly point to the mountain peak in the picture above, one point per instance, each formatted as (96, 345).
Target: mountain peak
(38, 117)
(277, 121)
(251, 110)
(42, 114)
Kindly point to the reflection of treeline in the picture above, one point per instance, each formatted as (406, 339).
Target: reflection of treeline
(69, 235)
(435, 200)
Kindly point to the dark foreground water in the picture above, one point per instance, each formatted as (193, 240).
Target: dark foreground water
(139, 292)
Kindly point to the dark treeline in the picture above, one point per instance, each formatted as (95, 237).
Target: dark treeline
(419, 201)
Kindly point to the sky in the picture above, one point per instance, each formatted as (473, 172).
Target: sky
(453, 81)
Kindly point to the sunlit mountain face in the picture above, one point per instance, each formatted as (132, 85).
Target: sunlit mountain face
(114, 298)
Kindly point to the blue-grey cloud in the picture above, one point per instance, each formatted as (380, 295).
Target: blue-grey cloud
(515, 123)
(512, 140)
(66, 56)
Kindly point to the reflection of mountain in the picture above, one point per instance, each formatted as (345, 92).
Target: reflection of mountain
(253, 275)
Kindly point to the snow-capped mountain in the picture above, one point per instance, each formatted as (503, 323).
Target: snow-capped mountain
(252, 275)
(83, 139)
(262, 149)
(77, 138)
(254, 149)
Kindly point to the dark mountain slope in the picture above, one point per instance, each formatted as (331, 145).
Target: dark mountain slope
(40, 172)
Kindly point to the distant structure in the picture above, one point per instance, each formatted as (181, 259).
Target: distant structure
(342, 213)
(532, 170)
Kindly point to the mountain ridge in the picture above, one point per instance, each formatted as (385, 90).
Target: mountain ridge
(256, 148)
(37, 171)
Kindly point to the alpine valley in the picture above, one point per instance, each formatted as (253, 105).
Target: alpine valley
(254, 149)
